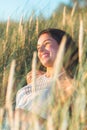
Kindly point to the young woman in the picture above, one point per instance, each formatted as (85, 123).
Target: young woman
(48, 44)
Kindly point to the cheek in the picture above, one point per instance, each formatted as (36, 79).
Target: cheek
(54, 51)
(39, 56)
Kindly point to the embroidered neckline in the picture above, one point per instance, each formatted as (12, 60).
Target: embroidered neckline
(60, 74)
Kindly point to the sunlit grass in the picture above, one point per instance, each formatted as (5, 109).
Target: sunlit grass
(18, 41)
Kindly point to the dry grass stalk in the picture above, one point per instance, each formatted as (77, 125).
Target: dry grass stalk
(80, 43)
(10, 84)
(4, 46)
(17, 120)
(72, 28)
(35, 120)
(57, 68)
(36, 125)
(73, 10)
(30, 21)
(20, 30)
(24, 123)
(83, 104)
(64, 116)
(59, 58)
(37, 25)
(76, 113)
(64, 16)
(64, 123)
(7, 27)
(1, 117)
(4, 78)
(50, 123)
(4, 72)
(54, 15)
(34, 61)
(8, 95)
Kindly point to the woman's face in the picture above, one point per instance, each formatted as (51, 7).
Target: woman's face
(47, 49)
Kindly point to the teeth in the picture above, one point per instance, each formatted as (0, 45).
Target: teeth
(44, 55)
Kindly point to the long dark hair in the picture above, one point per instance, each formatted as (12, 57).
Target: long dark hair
(70, 61)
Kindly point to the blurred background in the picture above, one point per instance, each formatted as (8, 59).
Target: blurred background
(24, 8)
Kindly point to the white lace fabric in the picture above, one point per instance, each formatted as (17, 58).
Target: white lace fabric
(38, 101)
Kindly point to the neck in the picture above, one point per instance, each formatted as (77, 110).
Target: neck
(50, 71)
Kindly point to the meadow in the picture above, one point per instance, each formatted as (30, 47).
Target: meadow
(17, 43)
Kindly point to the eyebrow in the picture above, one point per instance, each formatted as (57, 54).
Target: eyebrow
(45, 41)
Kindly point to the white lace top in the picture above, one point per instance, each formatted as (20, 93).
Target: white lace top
(38, 101)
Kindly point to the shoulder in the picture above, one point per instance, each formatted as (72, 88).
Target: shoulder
(29, 75)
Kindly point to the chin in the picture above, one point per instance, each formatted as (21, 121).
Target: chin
(48, 64)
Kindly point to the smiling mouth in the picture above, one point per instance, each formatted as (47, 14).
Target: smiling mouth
(45, 55)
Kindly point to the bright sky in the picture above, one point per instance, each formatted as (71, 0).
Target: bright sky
(17, 8)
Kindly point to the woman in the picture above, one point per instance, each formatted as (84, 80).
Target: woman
(49, 41)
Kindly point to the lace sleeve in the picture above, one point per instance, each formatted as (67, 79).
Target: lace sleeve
(22, 97)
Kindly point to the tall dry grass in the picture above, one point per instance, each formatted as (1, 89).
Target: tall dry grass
(19, 42)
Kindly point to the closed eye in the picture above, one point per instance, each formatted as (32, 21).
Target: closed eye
(46, 44)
